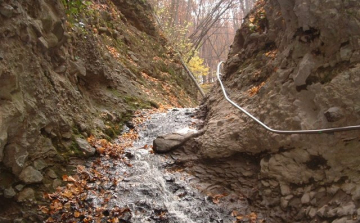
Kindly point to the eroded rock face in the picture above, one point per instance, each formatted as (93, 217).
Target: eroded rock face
(295, 66)
(61, 81)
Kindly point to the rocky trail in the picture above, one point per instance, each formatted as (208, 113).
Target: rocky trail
(129, 183)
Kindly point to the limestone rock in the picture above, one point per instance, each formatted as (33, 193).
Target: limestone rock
(30, 175)
(85, 147)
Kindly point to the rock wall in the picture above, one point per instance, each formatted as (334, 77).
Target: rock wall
(68, 72)
(294, 64)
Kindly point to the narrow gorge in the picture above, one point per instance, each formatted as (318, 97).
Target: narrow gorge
(93, 126)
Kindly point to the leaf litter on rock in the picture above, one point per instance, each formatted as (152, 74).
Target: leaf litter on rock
(73, 202)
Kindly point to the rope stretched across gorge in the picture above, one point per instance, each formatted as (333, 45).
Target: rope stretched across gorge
(311, 131)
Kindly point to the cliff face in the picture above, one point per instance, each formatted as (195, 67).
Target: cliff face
(294, 65)
(64, 78)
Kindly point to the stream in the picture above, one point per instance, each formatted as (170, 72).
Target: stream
(149, 190)
(154, 194)
(139, 186)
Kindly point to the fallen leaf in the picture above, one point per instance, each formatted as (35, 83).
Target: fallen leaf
(77, 214)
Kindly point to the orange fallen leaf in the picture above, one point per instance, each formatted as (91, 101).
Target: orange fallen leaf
(77, 214)
(100, 150)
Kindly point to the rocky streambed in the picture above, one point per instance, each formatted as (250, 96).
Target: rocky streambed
(135, 185)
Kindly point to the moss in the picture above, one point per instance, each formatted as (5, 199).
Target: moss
(110, 131)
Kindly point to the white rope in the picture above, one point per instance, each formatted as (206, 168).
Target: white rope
(312, 131)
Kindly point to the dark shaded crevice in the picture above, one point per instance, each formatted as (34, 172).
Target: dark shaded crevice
(307, 36)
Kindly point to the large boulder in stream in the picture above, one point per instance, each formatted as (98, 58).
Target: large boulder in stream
(294, 65)
(168, 142)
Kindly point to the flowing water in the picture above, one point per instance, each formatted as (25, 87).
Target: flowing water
(150, 191)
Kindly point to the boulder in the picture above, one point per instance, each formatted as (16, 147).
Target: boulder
(30, 175)
(166, 143)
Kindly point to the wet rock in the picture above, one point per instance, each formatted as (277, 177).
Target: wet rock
(9, 192)
(334, 114)
(30, 175)
(126, 217)
(85, 147)
(25, 195)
